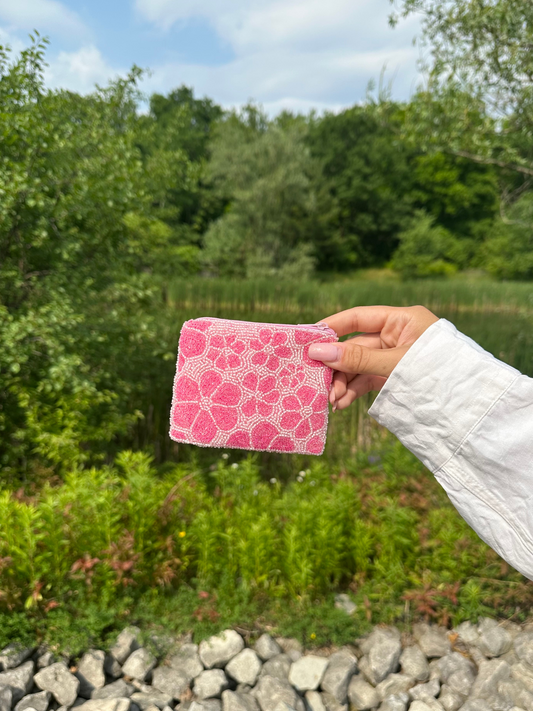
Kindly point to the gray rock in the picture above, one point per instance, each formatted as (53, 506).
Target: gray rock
(331, 703)
(187, 660)
(6, 698)
(127, 642)
(362, 695)
(433, 641)
(139, 664)
(467, 633)
(449, 699)
(269, 692)
(490, 673)
(39, 701)
(427, 705)
(345, 602)
(306, 674)
(19, 680)
(244, 667)
(394, 684)
(413, 662)
(266, 647)
(523, 646)
(210, 683)
(475, 705)
(232, 701)
(494, 640)
(45, 659)
(294, 655)
(278, 667)
(461, 681)
(382, 650)
(60, 682)
(106, 705)
(116, 690)
(172, 682)
(452, 663)
(396, 702)
(91, 672)
(13, 655)
(313, 701)
(219, 649)
(342, 666)
(523, 673)
(111, 667)
(516, 693)
(153, 698)
(205, 705)
(422, 691)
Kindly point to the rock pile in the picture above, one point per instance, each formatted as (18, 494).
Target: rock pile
(484, 667)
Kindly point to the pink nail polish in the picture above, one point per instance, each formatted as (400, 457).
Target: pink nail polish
(327, 352)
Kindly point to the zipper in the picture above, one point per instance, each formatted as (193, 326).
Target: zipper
(322, 327)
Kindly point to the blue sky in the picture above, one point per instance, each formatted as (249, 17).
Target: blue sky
(296, 54)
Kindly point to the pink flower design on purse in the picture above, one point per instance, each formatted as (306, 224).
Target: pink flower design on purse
(250, 386)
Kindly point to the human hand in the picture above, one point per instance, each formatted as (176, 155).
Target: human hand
(364, 363)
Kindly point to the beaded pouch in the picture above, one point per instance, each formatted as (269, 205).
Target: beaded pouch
(251, 386)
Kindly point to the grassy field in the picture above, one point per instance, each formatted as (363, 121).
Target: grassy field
(201, 539)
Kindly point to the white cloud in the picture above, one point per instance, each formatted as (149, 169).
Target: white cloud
(48, 16)
(290, 53)
(79, 71)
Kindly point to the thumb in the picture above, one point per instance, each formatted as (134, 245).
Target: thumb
(349, 357)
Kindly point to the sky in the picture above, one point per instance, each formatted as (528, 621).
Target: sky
(285, 54)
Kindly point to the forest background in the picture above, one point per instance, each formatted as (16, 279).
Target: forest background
(119, 223)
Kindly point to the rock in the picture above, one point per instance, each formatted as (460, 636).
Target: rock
(39, 701)
(244, 667)
(467, 633)
(266, 647)
(45, 660)
(306, 674)
(362, 696)
(461, 681)
(115, 690)
(139, 664)
(396, 702)
(490, 673)
(516, 693)
(6, 698)
(422, 691)
(382, 649)
(314, 702)
(210, 683)
(127, 642)
(413, 662)
(331, 703)
(289, 644)
(238, 702)
(475, 705)
(523, 673)
(433, 641)
(187, 660)
(270, 691)
(169, 681)
(91, 672)
(19, 680)
(450, 700)
(57, 679)
(345, 602)
(205, 705)
(145, 699)
(394, 684)
(523, 646)
(342, 666)
(452, 663)
(427, 705)
(13, 655)
(278, 667)
(106, 705)
(494, 640)
(111, 667)
(219, 649)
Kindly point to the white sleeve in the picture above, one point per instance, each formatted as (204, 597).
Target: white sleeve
(469, 418)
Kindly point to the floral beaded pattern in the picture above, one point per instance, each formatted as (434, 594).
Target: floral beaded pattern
(250, 386)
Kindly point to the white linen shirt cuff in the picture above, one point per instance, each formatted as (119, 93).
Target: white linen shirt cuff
(469, 418)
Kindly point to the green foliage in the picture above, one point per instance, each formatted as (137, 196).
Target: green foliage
(508, 251)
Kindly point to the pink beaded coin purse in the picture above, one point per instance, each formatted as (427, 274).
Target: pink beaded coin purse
(251, 386)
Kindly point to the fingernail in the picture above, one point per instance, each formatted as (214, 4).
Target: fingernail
(334, 408)
(327, 352)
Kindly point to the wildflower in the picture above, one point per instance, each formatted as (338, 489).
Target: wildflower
(302, 473)
(255, 492)
(234, 465)
(182, 534)
(299, 479)
(313, 635)
(313, 482)
(273, 480)
(225, 455)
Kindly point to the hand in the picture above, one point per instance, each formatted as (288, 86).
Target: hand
(364, 363)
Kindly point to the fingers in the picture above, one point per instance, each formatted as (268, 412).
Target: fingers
(369, 319)
(350, 357)
(357, 387)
